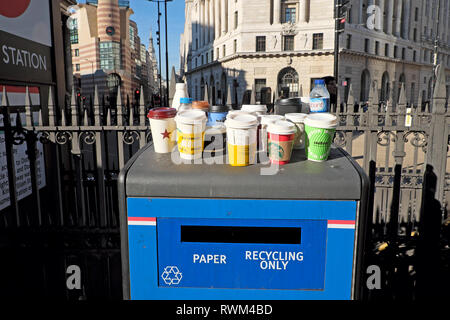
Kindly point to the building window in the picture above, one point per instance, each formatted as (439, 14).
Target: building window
(236, 19)
(403, 53)
(289, 15)
(73, 26)
(414, 56)
(366, 45)
(77, 67)
(207, 57)
(349, 41)
(217, 53)
(395, 52)
(224, 50)
(317, 41)
(288, 43)
(196, 44)
(195, 66)
(377, 48)
(415, 35)
(202, 60)
(416, 14)
(386, 50)
(234, 46)
(288, 83)
(110, 55)
(259, 84)
(77, 52)
(260, 43)
(132, 37)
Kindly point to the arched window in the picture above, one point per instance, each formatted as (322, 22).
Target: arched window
(365, 86)
(288, 83)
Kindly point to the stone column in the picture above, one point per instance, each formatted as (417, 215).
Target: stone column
(398, 21)
(390, 16)
(217, 19)
(223, 17)
(211, 21)
(304, 10)
(406, 26)
(276, 11)
(382, 4)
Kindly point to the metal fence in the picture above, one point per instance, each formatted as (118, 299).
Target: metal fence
(74, 219)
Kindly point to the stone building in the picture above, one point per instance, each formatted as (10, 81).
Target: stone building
(390, 42)
(107, 51)
(285, 45)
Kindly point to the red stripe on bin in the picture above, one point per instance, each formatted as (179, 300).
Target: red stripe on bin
(341, 221)
(141, 219)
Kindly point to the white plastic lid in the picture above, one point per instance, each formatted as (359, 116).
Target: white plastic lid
(296, 117)
(241, 121)
(268, 118)
(254, 108)
(282, 127)
(321, 120)
(231, 112)
(191, 116)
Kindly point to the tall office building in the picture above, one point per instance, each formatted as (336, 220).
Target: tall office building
(107, 51)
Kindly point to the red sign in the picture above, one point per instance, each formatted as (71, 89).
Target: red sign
(13, 9)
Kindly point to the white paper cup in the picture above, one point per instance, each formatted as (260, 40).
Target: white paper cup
(191, 126)
(298, 119)
(281, 141)
(241, 139)
(264, 121)
(163, 127)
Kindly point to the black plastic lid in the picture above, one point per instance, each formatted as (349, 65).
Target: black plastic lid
(218, 109)
(289, 102)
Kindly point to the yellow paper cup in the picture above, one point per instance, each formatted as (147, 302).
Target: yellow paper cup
(191, 126)
(241, 139)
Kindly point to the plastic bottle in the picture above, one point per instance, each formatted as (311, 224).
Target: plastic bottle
(185, 104)
(180, 92)
(319, 97)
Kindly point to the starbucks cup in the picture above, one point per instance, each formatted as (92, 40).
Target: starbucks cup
(241, 139)
(255, 108)
(264, 121)
(163, 127)
(319, 132)
(191, 125)
(281, 136)
(298, 119)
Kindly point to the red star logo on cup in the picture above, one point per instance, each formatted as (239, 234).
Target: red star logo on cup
(166, 134)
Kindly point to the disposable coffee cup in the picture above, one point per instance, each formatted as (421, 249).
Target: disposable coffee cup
(264, 121)
(298, 119)
(163, 127)
(191, 126)
(281, 141)
(241, 139)
(241, 112)
(255, 108)
(319, 133)
(215, 140)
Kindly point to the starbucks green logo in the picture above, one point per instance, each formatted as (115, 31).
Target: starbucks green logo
(275, 148)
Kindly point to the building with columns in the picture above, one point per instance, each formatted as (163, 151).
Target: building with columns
(236, 44)
(388, 43)
(285, 45)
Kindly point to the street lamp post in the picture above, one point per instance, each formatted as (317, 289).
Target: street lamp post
(159, 45)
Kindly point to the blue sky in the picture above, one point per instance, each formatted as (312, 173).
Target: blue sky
(146, 17)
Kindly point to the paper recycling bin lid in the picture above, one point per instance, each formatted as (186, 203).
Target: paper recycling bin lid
(149, 174)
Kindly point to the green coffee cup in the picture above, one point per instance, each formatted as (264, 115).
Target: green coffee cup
(319, 132)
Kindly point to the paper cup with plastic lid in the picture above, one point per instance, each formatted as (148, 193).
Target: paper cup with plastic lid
(241, 112)
(241, 139)
(281, 141)
(255, 108)
(264, 121)
(319, 132)
(298, 119)
(191, 125)
(163, 128)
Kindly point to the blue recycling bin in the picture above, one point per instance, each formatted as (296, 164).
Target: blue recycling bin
(212, 231)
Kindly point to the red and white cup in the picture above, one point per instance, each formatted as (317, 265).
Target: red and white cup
(281, 138)
(163, 127)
